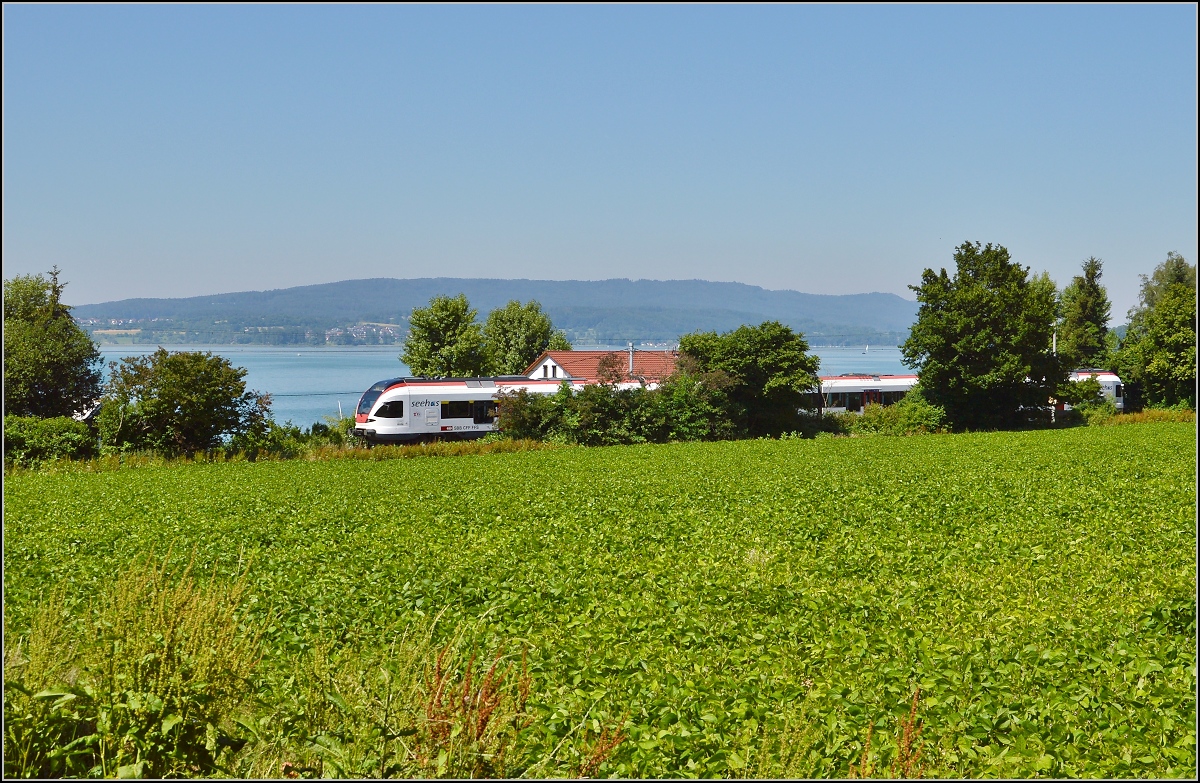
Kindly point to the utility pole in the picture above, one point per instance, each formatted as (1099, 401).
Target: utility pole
(1054, 352)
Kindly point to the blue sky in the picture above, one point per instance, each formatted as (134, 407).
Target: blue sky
(177, 151)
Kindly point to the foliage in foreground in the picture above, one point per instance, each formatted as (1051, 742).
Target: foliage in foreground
(143, 684)
(158, 679)
(739, 608)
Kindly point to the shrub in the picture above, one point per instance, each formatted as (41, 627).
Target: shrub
(1151, 416)
(531, 416)
(913, 415)
(690, 406)
(287, 441)
(29, 440)
(179, 403)
(686, 407)
(144, 686)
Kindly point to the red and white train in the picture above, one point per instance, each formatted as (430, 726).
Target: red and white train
(397, 410)
(851, 392)
(406, 409)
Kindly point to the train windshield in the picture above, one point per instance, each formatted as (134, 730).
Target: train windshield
(372, 394)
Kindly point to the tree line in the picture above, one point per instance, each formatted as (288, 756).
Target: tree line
(992, 344)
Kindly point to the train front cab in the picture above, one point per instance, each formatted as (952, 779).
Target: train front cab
(405, 410)
(383, 420)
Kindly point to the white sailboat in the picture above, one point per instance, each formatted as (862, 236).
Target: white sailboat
(866, 348)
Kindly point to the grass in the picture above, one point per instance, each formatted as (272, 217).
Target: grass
(323, 453)
(753, 608)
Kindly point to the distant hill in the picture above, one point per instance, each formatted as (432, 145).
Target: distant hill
(597, 312)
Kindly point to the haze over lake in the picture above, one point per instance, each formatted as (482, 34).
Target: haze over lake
(307, 383)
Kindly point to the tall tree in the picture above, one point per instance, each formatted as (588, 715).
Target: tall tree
(982, 341)
(516, 334)
(444, 340)
(1175, 270)
(1083, 330)
(1157, 357)
(769, 370)
(51, 366)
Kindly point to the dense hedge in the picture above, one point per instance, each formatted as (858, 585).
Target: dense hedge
(29, 440)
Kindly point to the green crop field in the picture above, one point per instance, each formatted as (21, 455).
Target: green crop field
(714, 600)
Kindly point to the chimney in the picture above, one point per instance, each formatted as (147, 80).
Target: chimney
(631, 359)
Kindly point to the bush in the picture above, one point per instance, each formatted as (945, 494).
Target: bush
(525, 416)
(29, 440)
(267, 438)
(690, 406)
(913, 415)
(1097, 412)
(684, 408)
(179, 403)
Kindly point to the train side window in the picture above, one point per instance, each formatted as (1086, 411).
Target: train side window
(391, 410)
(1120, 389)
(483, 411)
(456, 409)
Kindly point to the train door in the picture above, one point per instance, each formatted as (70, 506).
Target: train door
(871, 397)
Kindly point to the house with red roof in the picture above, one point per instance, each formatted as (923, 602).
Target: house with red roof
(582, 367)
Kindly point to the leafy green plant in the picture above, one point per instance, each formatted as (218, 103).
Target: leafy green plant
(144, 684)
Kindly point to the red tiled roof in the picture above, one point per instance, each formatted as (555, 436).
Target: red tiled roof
(585, 365)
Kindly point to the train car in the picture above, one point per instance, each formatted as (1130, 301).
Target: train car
(398, 410)
(852, 392)
(1111, 386)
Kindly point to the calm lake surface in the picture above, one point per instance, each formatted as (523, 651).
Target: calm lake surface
(307, 384)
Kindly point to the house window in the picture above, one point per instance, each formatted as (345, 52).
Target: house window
(545, 371)
(555, 371)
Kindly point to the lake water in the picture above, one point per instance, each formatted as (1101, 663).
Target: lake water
(307, 384)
